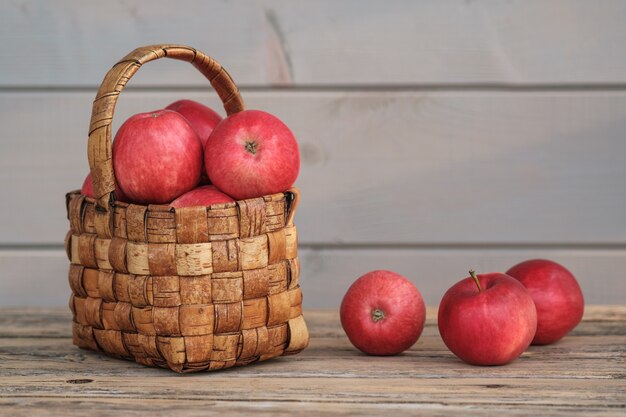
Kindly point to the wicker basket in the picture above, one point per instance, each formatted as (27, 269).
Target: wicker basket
(190, 289)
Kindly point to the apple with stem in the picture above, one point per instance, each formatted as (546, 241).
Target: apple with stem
(382, 313)
(251, 154)
(487, 319)
(557, 296)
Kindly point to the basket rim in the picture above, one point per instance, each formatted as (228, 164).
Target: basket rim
(171, 209)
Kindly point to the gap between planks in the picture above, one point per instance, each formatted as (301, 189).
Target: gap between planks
(382, 88)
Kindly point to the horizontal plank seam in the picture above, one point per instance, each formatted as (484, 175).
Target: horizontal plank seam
(573, 87)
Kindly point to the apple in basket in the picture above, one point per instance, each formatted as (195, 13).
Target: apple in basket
(202, 118)
(487, 319)
(157, 157)
(250, 154)
(557, 296)
(382, 313)
(201, 196)
(87, 190)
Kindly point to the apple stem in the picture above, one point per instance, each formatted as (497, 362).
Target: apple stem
(473, 274)
(377, 315)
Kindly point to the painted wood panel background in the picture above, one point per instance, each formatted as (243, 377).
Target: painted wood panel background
(377, 167)
(322, 42)
(435, 136)
(39, 277)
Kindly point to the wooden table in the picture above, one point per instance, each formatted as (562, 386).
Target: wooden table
(42, 373)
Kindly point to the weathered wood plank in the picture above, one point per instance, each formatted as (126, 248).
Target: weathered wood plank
(478, 392)
(39, 277)
(52, 322)
(44, 375)
(104, 407)
(323, 42)
(377, 168)
(596, 358)
(47, 322)
(596, 346)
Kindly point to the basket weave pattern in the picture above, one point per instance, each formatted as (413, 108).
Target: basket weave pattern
(190, 289)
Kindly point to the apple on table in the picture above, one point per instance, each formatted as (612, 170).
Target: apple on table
(383, 313)
(487, 319)
(557, 296)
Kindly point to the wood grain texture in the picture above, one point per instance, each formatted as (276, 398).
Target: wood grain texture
(278, 42)
(581, 375)
(377, 167)
(29, 406)
(39, 278)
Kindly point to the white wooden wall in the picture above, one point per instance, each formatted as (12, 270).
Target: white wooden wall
(436, 136)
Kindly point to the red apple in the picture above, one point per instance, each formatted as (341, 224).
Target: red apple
(489, 319)
(157, 157)
(201, 196)
(250, 154)
(557, 296)
(87, 189)
(383, 313)
(202, 118)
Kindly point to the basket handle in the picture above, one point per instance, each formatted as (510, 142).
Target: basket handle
(99, 145)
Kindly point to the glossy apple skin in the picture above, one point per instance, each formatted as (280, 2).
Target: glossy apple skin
(203, 119)
(403, 307)
(251, 154)
(557, 296)
(87, 189)
(201, 196)
(490, 327)
(157, 157)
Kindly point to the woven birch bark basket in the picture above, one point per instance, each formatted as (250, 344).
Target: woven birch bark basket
(189, 289)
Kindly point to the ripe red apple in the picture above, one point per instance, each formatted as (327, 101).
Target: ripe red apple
(251, 154)
(87, 189)
(489, 319)
(557, 296)
(383, 313)
(202, 118)
(157, 157)
(201, 196)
